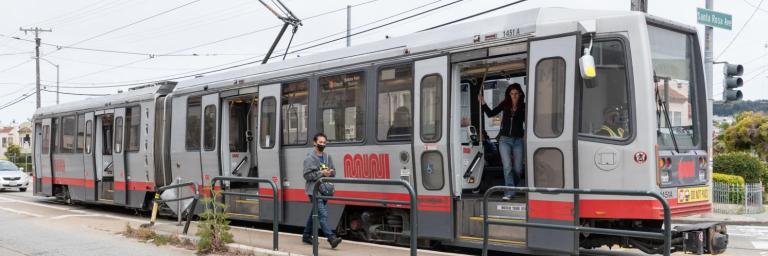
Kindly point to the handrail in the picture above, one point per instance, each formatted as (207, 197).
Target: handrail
(190, 211)
(665, 235)
(412, 203)
(275, 206)
(236, 171)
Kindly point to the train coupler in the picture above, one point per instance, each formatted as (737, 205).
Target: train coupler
(701, 238)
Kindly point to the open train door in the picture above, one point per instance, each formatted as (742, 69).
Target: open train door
(550, 140)
(268, 147)
(430, 144)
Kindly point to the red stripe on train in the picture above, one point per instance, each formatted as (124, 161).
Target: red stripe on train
(612, 209)
(88, 183)
(425, 203)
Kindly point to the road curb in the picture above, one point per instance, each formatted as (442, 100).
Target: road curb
(231, 246)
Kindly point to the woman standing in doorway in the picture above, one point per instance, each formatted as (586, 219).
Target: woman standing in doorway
(510, 136)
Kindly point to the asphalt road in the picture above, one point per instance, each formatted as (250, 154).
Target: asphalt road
(31, 226)
(41, 226)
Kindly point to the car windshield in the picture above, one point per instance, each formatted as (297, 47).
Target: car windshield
(8, 166)
(672, 54)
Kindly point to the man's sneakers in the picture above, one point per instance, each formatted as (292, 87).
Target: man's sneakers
(333, 241)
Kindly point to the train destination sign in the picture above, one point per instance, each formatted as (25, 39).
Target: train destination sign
(714, 19)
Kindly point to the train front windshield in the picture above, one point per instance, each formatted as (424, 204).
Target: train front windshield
(676, 85)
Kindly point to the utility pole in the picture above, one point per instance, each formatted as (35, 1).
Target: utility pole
(708, 61)
(639, 5)
(349, 25)
(37, 56)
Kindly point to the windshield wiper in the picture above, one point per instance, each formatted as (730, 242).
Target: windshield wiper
(664, 110)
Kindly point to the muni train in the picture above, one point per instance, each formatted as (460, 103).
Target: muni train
(407, 108)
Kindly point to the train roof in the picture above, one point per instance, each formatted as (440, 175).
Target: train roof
(538, 22)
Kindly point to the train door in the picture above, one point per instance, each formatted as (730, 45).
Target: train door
(37, 157)
(550, 140)
(46, 172)
(121, 173)
(103, 154)
(89, 160)
(237, 156)
(430, 143)
(268, 149)
(209, 154)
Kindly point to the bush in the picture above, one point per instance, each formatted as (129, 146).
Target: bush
(741, 164)
(734, 186)
(213, 227)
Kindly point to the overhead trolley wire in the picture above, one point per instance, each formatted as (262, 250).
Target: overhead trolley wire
(740, 30)
(194, 73)
(477, 14)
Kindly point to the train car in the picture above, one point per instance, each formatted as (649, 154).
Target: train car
(407, 108)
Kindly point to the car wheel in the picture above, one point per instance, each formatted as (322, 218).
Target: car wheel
(22, 189)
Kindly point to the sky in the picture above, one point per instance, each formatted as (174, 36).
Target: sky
(102, 44)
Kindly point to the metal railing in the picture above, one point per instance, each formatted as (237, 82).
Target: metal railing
(190, 210)
(665, 235)
(275, 205)
(737, 199)
(412, 203)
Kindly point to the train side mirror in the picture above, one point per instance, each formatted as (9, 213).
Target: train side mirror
(587, 63)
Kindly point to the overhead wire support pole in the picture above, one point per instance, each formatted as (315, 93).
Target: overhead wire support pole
(292, 20)
(37, 57)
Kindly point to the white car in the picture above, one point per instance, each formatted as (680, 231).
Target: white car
(11, 176)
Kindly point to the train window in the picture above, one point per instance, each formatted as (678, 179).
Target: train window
(605, 98)
(432, 170)
(119, 135)
(395, 109)
(133, 122)
(80, 133)
(431, 108)
(107, 134)
(46, 139)
(55, 135)
(209, 128)
(239, 110)
(88, 136)
(342, 107)
(68, 131)
(194, 108)
(549, 109)
(548, 168)
(293, 105)
(267, 131)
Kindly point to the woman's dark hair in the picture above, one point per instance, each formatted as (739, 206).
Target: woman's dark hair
(508, 99)
(318, 135)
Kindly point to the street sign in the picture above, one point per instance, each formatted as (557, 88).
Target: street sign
(714, 19)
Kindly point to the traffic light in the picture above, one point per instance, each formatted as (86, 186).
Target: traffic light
(732, 80)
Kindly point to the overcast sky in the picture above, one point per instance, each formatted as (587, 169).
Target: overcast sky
(226, 32)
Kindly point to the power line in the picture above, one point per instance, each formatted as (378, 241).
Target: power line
(210, 43)
(292, 52)
(740, 30)
(78, 94)
(477, 14)
(14, 53)
(17, 100)
(755, 6)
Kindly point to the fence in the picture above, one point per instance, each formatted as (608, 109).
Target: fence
(735, 199)
(275, 203)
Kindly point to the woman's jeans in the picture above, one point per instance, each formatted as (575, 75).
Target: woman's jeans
(511, 151)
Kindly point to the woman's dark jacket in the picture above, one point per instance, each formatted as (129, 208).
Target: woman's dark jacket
(511, 122)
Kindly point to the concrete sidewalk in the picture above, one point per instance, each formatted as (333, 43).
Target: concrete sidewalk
(260, 242)
(760, 219)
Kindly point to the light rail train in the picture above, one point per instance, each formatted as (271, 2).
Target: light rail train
(407, 108)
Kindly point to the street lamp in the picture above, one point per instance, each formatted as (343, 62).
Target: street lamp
(57, 78)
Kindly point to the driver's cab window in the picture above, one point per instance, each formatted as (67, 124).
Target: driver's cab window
(605, 111)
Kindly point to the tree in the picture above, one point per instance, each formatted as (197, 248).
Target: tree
(12, 152)
(749, 132)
